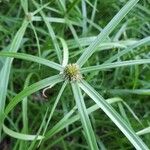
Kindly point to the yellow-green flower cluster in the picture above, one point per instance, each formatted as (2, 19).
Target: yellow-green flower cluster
(72, 72)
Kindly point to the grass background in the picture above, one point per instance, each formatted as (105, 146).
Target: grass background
(82, 22)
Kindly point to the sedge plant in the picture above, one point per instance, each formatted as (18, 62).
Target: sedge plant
(69, 75)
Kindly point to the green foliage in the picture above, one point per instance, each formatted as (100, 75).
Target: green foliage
(71, 55)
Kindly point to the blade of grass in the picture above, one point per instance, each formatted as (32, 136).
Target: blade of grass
(40, 8)
(123, 113)
(115, 65)
(120, 32)
(51, 32)
(5, 72)
(37, 39)
(71, 6)
(77, 117)
(143, 131)
(114, 116)
(49, 19)
(55, 20)
(131, 91)
(33, 59)
(144, 41)
(25, 112)
(20, 136)
(86, 41)
(62, 5)
(65, 52)
(54, 107)
(24, 4)
(61, 124)
(106, 31)
(66, 121)
(89, 133)
(31, 89)
(25, 106)
(84, 15)
(63, 137)
(74, 33)
(93, 13)
(31, 147)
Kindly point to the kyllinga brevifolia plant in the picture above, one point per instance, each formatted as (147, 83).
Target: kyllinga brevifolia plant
(68, 73)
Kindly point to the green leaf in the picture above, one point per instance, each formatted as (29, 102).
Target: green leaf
(144, 41)
(25, 112)
(40, 8)
(106, 31)
(130, 91)
(54, 20)
(114, 116)
(21, 136)
(24, 4)
(5, 71)
(103, 46)
(66, 121)
(63, 137)
(115, 65)
(89, 133)
(65, 52)
(31, 147)
(51, 32)
(37, 39)
(31, 89)
(61, 124)
(54, 107)
(143, 131)
(25, 106)
(84, 15)
(33, 59)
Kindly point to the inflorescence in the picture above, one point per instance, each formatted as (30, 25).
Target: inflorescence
(72, 72)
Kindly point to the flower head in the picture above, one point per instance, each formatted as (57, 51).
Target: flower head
(72, 72)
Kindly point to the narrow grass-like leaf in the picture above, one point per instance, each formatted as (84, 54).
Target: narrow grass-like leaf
(71, 6)
(144, 41)
(21, 136)
(132, 112)
(130, 91)
(51, 32)
(74, 33)
(65, 52)
(49, 19)
(61, 124)
(143, 131)
(114, 116)
(24, 4)
(106, 31)
(31, 89)
(5, 71)
(54, 107)
(31, 147)
(123, 113)
(86, 41)
(25, 106)
(89, 133)
(93, 12)
(84, 15)
(63, 137)
(120, 32)
(40, 8)
(66, 121)
(55, 20)
(32, 58)
(37, 39)
(25, 112)
(115, 65)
